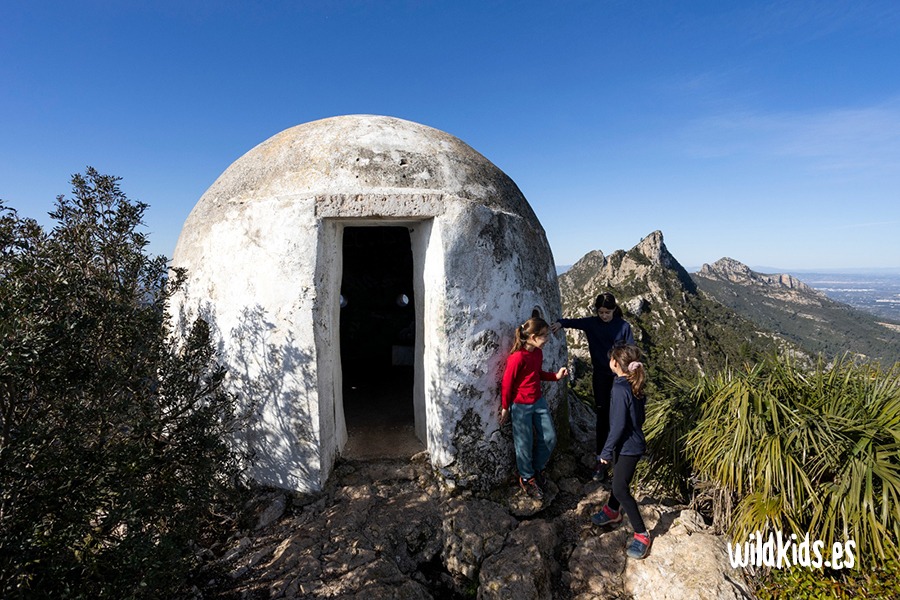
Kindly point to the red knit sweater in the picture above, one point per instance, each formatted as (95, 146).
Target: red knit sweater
(523, 376)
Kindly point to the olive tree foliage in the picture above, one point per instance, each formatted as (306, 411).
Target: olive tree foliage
(114, 439)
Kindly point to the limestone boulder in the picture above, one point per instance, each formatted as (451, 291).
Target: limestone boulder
(271, 510)
(473, 530)
(526, 566)
(686, 563)
(597, 564)
(522, 505)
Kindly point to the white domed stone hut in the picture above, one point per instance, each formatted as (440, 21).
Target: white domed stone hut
(363, 268)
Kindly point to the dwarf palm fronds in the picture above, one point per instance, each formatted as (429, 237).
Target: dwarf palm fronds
(806, 451)
(673, 409)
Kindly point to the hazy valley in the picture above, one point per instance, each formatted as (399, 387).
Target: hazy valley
(875, 292)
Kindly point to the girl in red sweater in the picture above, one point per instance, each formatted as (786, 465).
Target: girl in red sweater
(533, 433)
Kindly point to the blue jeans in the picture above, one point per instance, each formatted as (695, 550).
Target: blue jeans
(533, 435)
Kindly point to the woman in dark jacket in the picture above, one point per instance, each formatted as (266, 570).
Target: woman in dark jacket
(604, 330)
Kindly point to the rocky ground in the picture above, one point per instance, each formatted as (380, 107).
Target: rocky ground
(392, 529)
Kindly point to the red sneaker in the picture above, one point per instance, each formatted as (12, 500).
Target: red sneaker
(531, 487)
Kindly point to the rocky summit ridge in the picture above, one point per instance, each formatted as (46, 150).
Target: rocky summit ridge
(684, 331)
(782, 285)
(649, 261)
(797, 312)
(392, 530)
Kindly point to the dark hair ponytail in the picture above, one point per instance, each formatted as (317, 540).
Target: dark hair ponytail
(533, 326)
(628, 358)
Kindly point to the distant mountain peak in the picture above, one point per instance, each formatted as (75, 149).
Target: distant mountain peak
(729, 269)
(685, 332)
(800, 313)
(654, 248)
(592, 257)
(648, 255)
(725, 265)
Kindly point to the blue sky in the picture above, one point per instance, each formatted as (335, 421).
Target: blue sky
(764, 131)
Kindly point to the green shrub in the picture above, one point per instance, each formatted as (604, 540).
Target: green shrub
(583, 381)
(874, 583)
(113, 441)
(673, 408)
(805, 451)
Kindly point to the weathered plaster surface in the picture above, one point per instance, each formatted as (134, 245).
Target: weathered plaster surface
(263, 253)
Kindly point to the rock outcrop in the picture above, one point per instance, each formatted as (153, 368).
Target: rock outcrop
(649, 262)
(782, 285)
(801, 314)
(684, 331)
(392, 529)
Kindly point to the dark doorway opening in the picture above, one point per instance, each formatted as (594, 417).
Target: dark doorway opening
(377, 339)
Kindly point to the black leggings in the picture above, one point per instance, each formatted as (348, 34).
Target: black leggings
(602, 387)
(623, 473)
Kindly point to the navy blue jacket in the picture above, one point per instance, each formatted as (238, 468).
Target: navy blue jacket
(626, 417)
(601, 337)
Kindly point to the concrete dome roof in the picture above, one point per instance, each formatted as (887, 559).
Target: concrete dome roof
(265, 252)
(366, 154)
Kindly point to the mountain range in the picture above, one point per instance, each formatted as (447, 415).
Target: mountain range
(803, 315)
(726, 313)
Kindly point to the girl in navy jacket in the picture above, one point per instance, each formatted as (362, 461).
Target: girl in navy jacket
(625, 444)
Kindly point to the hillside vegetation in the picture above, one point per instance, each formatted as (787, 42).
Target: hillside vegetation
(683, 331)
(746, 422)
(114, 454)
(799, 313)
